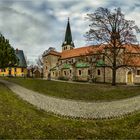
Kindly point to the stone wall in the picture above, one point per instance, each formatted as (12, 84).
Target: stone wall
(49, 62)
(99, 74)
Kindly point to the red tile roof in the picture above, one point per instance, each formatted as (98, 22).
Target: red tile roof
(133, 61)
(87, 50)
(80, 51)
(132, 48)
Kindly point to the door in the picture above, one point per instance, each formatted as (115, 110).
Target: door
(9, 72)
(129, 78)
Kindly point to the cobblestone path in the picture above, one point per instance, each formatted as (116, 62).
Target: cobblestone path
(76, 109)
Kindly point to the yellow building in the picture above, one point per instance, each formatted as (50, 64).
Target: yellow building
(20, 70)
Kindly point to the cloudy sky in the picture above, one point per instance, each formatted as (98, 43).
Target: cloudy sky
(36, 25)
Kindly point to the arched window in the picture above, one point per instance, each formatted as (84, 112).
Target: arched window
(80, 72)
(98, 72)
(65, 73)
(138, 72)
(88, 72)
(53, 73)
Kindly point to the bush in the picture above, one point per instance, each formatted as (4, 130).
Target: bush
(79, 79)
(63, 78)
(94, 79)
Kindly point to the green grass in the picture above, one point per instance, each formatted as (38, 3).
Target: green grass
(87, 92)
(20, 120)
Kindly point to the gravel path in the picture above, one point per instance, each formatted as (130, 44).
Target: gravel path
(76, 109)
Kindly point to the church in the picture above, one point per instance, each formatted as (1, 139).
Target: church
(84, 64)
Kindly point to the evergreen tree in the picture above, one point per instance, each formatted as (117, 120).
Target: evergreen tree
(7, 53)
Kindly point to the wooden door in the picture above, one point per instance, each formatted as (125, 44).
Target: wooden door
(129, 77)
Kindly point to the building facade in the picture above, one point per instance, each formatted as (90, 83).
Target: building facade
(19, 70)
(84, 64)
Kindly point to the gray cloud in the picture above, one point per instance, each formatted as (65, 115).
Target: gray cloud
(35, 25)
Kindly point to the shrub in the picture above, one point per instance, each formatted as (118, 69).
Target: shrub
(63, 78)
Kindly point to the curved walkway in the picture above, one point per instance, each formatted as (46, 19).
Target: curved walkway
(76, 109)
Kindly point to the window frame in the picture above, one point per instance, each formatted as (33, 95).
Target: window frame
(137, 75)
(98, 72)
(79, 72)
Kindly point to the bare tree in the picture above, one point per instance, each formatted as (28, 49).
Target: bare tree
(48, 50)
(111, 30)
(39, 61)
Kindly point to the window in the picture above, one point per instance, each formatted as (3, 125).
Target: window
(70, 71)
(56, 74)
(4, 70)
(22, 70)
(98, 72)
(91, 59)
(53, 73)
(65, 73)
(88, 72)
(80, 72)
(15, 69)
(71, 60)
(138, 72)
(87, 59)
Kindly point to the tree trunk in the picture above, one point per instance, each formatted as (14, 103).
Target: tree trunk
(114, 66)
(113, 77)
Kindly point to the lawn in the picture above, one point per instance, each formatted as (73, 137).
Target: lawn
(87, 92)
(20, 120)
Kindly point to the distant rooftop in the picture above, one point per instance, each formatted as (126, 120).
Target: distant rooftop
(21, 58)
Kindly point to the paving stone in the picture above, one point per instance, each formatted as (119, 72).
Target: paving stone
(76, 109)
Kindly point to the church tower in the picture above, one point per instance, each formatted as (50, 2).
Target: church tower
(68, 43)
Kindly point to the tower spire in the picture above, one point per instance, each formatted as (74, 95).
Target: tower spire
(68, 38)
